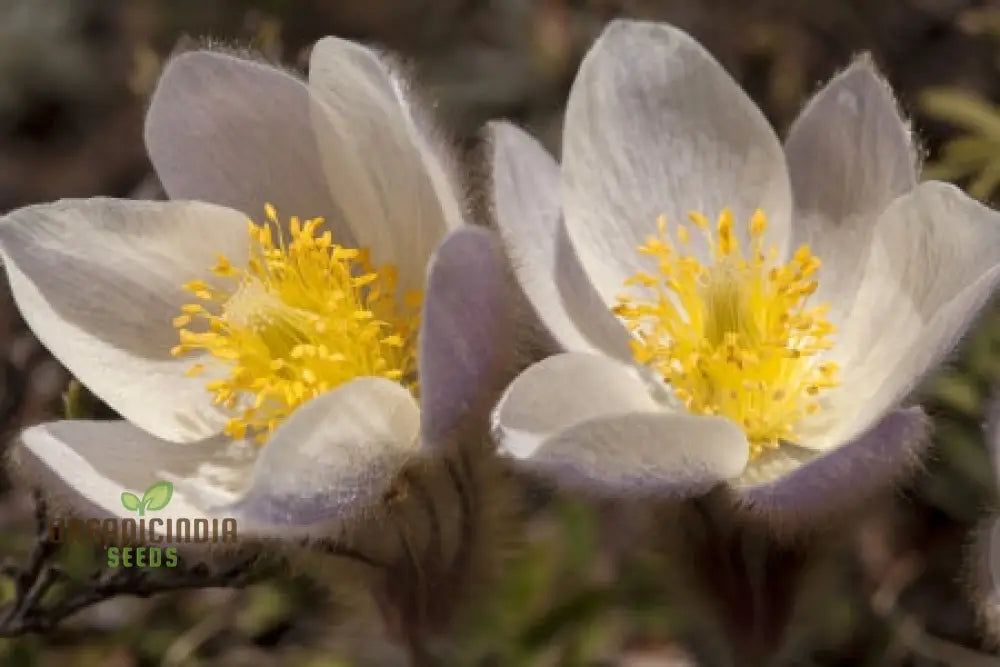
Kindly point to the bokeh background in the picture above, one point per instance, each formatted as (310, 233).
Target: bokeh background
(885, 586)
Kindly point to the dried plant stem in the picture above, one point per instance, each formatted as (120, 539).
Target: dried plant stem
(751, 577)
(29, 612)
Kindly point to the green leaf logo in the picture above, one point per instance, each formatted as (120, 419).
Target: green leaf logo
(156, 497)
(130, 501)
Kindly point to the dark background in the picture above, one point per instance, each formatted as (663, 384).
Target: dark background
(888, 585)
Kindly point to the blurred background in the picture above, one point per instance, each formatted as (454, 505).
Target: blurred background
(887, 586)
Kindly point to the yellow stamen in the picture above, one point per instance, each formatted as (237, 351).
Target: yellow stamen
(300, 319)
(735, 338)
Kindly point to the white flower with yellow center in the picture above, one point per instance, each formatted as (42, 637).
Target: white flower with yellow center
(275, 368)
(730, 309)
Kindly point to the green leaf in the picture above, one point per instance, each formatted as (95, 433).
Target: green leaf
(74, 403)
(130, 501)
(962, 108)
(986, 182)
(157, 496)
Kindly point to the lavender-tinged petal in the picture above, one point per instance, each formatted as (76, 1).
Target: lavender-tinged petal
(467, 333)
(845, 477)
(394, 190)
(527, 203)
(934, 265)
(655, 126)
(561, 391)
(667, 454)
(850, 154)
(86, 465)
(332, 460)
(99, 281)
(236, 132)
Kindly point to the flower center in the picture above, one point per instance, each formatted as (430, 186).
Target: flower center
(300, 319)
(735, 338)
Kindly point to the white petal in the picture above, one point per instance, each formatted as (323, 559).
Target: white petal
(850, 154)
(935, 260)
(235, 132)
(334, 457)
(391, 188)
(663, 452)
(526, 200)
(563, 390)
(99, 282)
(814, 486)
(655, 126)
(467, 333)
(87, 465)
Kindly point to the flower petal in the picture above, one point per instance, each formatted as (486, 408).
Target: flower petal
(87, 465)
(850, 154)
(663, 452)
(467, 333)
(333, 458)
(99, 282)
(655, 126)
(392, 189)
(526, 199)
(815, 486)
(236, 132)
(934, 262)
(563, 390)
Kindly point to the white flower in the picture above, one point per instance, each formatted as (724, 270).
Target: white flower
(288, 335)
(770, 346)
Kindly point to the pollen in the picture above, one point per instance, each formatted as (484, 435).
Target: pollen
(734, 336)
(304, 316)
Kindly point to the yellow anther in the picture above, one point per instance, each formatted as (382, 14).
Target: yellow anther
(223, 267)
(758, 223)
(727, 244)
(735, 337)
(697, 218)
(272, 213)
(195, 370)
(303, 317)
(344, 254)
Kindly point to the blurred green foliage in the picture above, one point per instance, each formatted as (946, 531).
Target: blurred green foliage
(971, 158)
(974, 156)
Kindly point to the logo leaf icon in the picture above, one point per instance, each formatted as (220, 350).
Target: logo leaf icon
(130, 501)
(156, 496)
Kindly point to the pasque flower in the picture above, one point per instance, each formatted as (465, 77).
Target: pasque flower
(261, 333)
(730, 309)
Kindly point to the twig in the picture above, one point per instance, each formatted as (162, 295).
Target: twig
(339, 549)
(28, 613)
